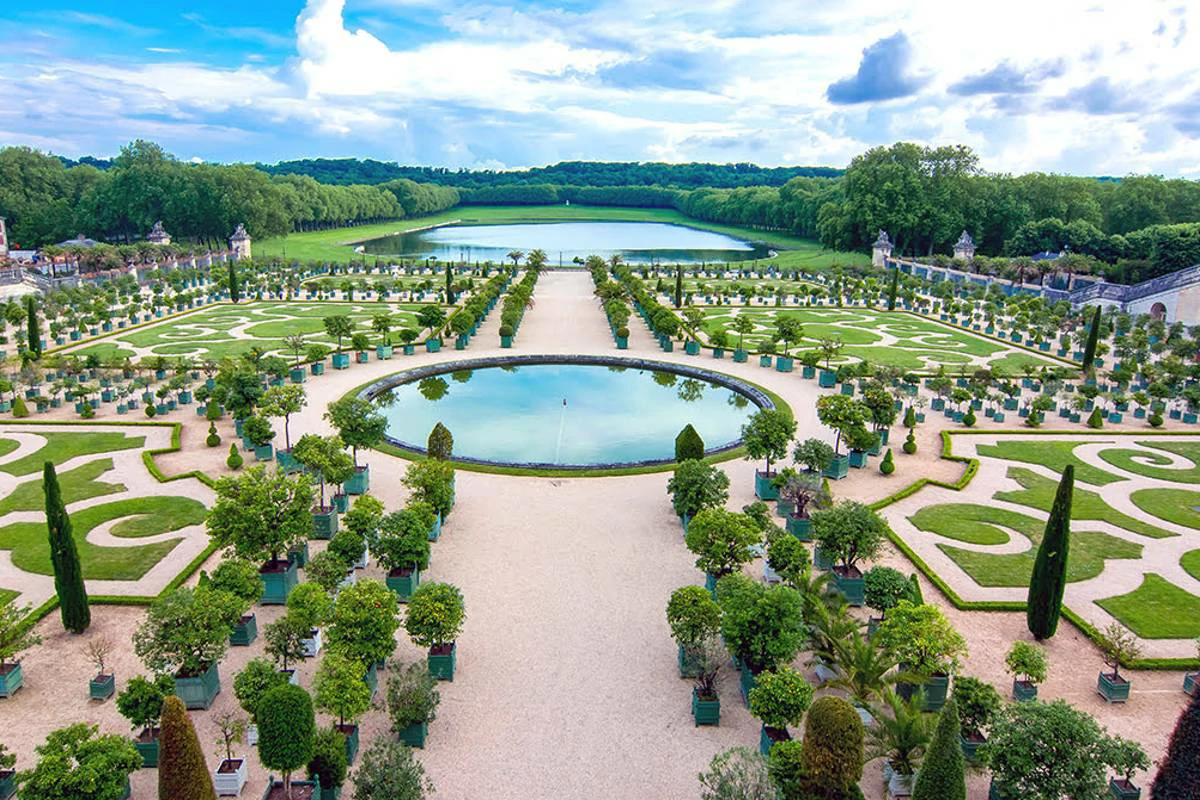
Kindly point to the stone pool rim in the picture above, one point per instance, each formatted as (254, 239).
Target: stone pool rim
(756, 395)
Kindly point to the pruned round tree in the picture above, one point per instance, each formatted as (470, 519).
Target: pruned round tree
(259, 515)
(286, 731)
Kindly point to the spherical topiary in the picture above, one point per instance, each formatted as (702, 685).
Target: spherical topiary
(182, 772)
(213, 438)
(506, 330)
(287, 729)
(969, 418)
(235, 458)
(910, 444)
(1155, 420)
(622, 332)
(833, 748)
(887, 466)
(688, 444)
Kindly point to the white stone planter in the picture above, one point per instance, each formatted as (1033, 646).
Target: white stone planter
(900, 786)
(770, 575)
(312, 645)
(350, 579)
(251, 734)
(362, 562)
(230, 784)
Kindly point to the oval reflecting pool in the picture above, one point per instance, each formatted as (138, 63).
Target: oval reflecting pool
(564, 414)
(636, 242)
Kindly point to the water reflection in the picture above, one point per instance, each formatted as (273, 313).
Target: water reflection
(433, 389)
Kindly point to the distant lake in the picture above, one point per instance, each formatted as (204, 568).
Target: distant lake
(637, 242)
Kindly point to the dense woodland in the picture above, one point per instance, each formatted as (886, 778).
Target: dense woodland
(1128, 229)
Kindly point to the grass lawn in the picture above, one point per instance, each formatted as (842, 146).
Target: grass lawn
(1055, 455)
(1173, 505)
(1191, 563)
(76, 484)
(62, 447)
(1038, 492)
(337, 244)
(1158, 609)
(974, 524)
(139, 517)
(1124, 459)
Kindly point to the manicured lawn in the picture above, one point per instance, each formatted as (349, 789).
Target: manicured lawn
(1158, 609)
(76, 484)
(974, 524)
(62, 447)
(7, 446)
(1053, 454)
(7, 596)
(1173, 505)
(1191, 563)
(139, 517)
(337, 244)
(1124, 459)
(1039, 493)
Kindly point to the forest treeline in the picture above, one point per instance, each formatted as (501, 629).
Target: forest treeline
(1130, 229)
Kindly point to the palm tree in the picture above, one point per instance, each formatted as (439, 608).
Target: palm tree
(516, 256)
(537, 260)
(864, 669)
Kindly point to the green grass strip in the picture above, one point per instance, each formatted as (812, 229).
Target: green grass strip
(62, 447)
(1158, 609)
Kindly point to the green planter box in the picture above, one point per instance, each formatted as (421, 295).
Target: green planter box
(808, 372)
(201, 690)
(403, 584)
(764, 361)
(506, 342)
(299, 555)
(622, 342)
(102, 687)
(692, 348)
(821, 559)
(1024, 691)
(341, 360)
(277, 582)
(12, 680)
(740, 356)
(351, 734)
(359, 482)
(341, 502)
(8, 784)
(764, 489)
(784, 507)
(851, 587)
(433, 345)
(273, 784)
(296, 374)
(718, 352)
(325, 523)
(1121, 789)
(784, 364)
(1191, 683)
(264, 453)
(287, 462)
(934, 688)
(435, 530)
(442, 664)
(747, 680)
(838, 468)
(245, 632)
(383, 351)
(705, 711)
(317, 368)
(800, 527)
(148, 751)
(1114, 691)
(414, 735)
(970, 747)
(409, 349)
(362, 357)
(859, 459)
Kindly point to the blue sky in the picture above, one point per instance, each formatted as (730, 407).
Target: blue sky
(1079, 86)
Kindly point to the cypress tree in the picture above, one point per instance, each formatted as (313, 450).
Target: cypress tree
(449, 287)
(1049, 576)
(678, 286)
(1089, 350)
(894, 287)
(235, 292)
(943, 773)
(182, 771)
(1179, 772)
(35, 331)
(68, 577)
(688, 444)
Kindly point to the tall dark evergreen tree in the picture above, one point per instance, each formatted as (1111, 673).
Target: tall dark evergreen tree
(678, 286)
(893, 289)
(34, 328)
(449, 285)
(1049, 576)
(182, 771)
(943, 773)
(1089, 350)
(68, 576)
(235, 290)
(1179, 772)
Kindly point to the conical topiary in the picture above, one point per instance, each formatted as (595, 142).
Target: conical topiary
(1049, 577)
(64, 557)
(19, 409)
(235, 458)
(688, 444)
(887, 466)
(182, 771)
(943, 772)
(441, 442)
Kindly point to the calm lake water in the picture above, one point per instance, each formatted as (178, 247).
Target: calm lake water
(565, 414)
(637, 242)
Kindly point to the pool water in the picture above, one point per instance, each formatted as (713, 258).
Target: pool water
(636, 242)
(566, 414)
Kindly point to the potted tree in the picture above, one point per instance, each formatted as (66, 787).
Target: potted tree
(706, 702)
(286, 737)
(927, 646)
(847, 533)
(359, 424)
(256, 678)
(229, 778)
(363, 625)
(324, 457)
(140, 702)
(104, 684)
(433, 620)
(77, 763)
(315, 354)
(860, 441)
(240, 579)
(1125, 757)
(779, 699)
(283, 402)
(402, 547)
(8, 776)
(412, 699)
(431, 481)
(387, 765)
(843, 414)
(900, 735)
(1118, 647)
(309, 606)
(258, 516)
(15, 638)
(762, 626)
(257, 431)
(804, 492)
(694, 618)
(978, 703)
(327, 769)
(883, 588)
(722, 541)
(766, 436)
(339, 690)
(696, 486)
(1026, 662)
(1191, 680)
